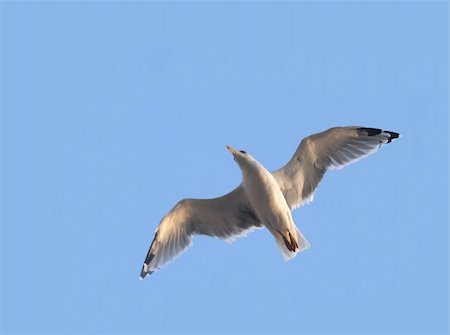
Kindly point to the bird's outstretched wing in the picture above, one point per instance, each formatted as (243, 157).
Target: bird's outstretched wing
(226, 217)
(333, 148)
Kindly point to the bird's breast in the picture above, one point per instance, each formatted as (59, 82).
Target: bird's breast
(267, 199)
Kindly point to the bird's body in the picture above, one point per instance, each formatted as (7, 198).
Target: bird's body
(263, 199)
(271, 207)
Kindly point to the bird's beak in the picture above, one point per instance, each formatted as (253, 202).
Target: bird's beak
(230, 149)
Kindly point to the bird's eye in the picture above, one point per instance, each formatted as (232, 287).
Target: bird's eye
(242, 151)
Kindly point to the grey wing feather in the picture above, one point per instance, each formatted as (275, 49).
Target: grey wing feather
(226, 217)
(333, 148)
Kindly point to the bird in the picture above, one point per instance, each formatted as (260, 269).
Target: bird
(263, 199)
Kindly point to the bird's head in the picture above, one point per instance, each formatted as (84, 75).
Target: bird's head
(241, 157)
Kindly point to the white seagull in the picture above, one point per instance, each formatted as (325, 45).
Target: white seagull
(263, 199)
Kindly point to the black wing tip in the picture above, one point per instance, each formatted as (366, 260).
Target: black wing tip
(145, 268)
(144, 273)
(377, 131)
(392, 136)
(148, 259)
(371, 131)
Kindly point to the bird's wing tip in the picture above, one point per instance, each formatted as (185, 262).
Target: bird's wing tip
(144, 272)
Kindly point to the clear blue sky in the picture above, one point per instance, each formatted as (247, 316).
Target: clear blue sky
(111, 112)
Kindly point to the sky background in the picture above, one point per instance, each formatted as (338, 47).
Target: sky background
(111, 112)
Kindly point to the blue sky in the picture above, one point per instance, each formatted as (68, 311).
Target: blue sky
(111, 112)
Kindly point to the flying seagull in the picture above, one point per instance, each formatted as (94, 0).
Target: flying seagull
(263, 199)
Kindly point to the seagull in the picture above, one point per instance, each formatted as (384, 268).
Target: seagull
(263, 199)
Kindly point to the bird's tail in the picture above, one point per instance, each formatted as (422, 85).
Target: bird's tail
(291, 243)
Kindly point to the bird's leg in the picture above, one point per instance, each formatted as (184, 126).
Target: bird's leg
(293, 241)
(288, 243)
